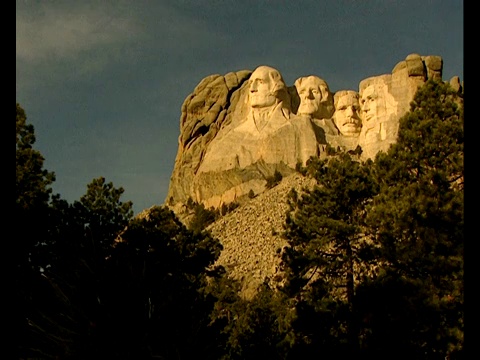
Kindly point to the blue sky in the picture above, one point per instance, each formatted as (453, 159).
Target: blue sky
(103, 82)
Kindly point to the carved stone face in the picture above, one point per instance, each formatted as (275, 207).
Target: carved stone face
(311, 91)
(262, 88)
(347, 113)
(369, 103)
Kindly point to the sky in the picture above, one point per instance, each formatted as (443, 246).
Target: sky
(103, 82)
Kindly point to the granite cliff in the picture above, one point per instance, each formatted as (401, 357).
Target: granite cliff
(237, 129)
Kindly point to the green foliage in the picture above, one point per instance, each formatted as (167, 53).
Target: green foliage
(154, 298)
(300, 168)
(398, 315)
(424, 172)
(274, 180)
(259, 328)
(32, 186)
(83, 292)
(326, 233)
(202, 217)
(32, 195)
(86, 230)
(104, 214)
(148, 297)
(331, 216)
(418, 217)
(66, 296)
(226, 208)
(374, 264)
(402, 216)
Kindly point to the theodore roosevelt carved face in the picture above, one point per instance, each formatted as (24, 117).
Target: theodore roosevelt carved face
(347, 112)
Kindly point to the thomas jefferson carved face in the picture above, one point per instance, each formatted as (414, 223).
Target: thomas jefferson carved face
(264, 85)
(314, 94)
(347, 112)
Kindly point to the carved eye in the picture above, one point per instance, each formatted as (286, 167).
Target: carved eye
(343, 108)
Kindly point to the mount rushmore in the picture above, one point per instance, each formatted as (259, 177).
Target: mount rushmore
(238, 129)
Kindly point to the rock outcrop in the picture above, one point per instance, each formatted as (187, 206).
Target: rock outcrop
(237, 130)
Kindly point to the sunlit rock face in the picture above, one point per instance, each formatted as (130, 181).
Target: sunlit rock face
(348, 113)
(236, 130)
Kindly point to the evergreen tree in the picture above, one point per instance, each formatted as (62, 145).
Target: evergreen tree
(83, 292)
(418, 219)
(328, 250)
(258, 328)
(87, 228)
(412, 304)
(66, 295)
(32, 195)
(274, 179)
(202, 217)
(155, 298)
(32, 187)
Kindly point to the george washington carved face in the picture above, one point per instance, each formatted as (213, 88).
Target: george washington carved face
(265, 83)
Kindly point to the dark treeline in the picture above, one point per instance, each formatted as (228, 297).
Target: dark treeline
(374, 266)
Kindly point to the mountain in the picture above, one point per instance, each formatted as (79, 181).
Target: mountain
(239, 130)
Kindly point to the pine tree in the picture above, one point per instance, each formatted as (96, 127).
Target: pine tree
(32, 192)
(154, 298)
(418, 218)
(328, 248)
(66, 296)
(257, 328)
(32, 187)
(32, 195)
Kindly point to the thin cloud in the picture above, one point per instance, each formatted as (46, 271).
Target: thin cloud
(57, 44)
(57, 34)
(67, 42)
